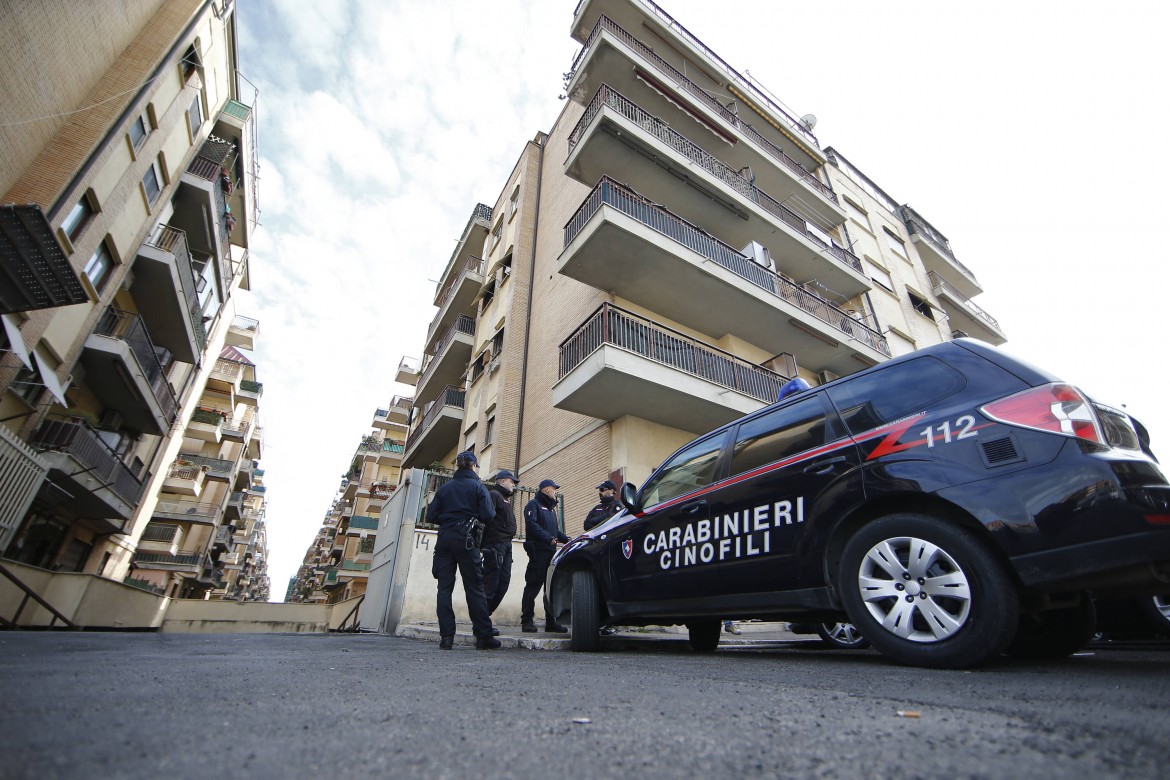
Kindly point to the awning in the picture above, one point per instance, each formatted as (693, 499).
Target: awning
(684, 105)
(15, 340)
(34, 272)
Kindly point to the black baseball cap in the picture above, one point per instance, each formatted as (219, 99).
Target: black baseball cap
(607, 485)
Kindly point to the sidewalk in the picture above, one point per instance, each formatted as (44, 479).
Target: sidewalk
(753, 634)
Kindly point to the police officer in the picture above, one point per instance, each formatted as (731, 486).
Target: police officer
(460, 507)
(497, 540)
(609, 506)
(542, 532)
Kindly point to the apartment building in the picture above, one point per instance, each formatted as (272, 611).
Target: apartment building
(672, 252)
(337, 563)
(127, 161)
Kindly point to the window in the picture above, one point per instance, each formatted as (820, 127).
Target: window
(469, 438)
(920, 305)
(489, 431)
(138, 132)
(497, 234)
(689, 470)
(195, 115)
(514, 203)
(78, 219)
(778, 434)
(97, 270)
(880, 275)
(894, 392)
(855, 213)
(896, 244)
(152, 183)
(27, 384)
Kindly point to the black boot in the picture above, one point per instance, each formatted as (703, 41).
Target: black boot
(555, 628)
(487, 643)
(446, 643)
(528, 628)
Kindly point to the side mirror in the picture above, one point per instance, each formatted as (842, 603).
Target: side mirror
(629, 496)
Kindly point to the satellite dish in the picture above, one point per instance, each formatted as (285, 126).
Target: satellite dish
(809, 121)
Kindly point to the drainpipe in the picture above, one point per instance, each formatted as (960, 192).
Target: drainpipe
(531, 292)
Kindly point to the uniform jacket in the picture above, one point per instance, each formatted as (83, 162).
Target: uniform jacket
(540, 523)
(602, 512)
(463, 497)
(503, 527)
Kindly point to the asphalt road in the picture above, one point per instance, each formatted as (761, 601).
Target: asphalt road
(348, 706)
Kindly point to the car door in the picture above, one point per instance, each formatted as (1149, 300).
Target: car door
(783, 465)
(654, 557)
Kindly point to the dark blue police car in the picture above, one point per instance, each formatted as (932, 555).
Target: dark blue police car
(953, 504)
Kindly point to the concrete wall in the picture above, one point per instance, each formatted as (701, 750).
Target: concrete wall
(84, 599)
(253, 617)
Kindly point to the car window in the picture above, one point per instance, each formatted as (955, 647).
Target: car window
(778, 434)
(890, 393)
(689, 470)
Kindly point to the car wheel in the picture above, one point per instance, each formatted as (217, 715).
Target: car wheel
(842, 636)
(1055, 633)
(586, 615)
(926, 592)
(1156, 610)
(704, 635)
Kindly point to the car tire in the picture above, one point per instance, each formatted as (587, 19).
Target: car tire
(1054, 633)
(586, 615)
(954, 605)
(704, 635)
(1156, 611)
(841, 636)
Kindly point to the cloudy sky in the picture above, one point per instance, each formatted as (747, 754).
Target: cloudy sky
(1031, 134)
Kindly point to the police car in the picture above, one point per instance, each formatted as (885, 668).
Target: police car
(953, 504)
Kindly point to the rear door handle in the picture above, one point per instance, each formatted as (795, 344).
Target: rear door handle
(694, 509)
(825, 466)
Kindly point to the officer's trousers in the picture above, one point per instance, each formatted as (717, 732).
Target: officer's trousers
(497, 572)
(451, 553)
(539, 558)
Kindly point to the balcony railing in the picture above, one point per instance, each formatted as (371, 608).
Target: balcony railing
(464, 325)
(157, 532)
(246, 324)
(620, 328)
(473, 265)
(86, 447)
(938, 282)
(608, 96)
(128, 327)
(167, 559)
(450, 396)
(610, 193)
(196, 510)
(215, 466)
(408, 365)
(677, 78)
(214, 163)
(182, 469)
(920, 226)
(174, 241)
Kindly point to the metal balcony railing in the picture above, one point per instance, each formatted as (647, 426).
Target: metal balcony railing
(464, 325)
(168, 559)
(620, 328)
(678, 79)
(937, 282)
(182, 469)
(474, 265)
(156, 532)
(215, 466)
(450, 396)
(174, 241)
(246, 324)
(920, 226)
(608, 96)
(77, 439)
(408, 365)
(228, 368)
(128, 327)
(196, 510)
(609, 192)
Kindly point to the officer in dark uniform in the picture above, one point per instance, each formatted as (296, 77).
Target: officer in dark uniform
(497, 540)
(609, 506)
(541, 534)
(461, 507)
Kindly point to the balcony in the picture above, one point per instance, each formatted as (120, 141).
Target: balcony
(438, 430)
(455, 300)
(166, 296)
(203, 191)
(224, 538)
(359, 523)
(235, 507)
(226, 376)
(778, 147)
(217, 468)
(35, 273)
(185, 478)
(186, 562)
(124, 372)
(471, 239)
(618, 363)
(185, 510)
(206, 424)
(250, 392)
(396, 416)
(964, 313)
(619, 240)
(449, 359)
(614, 134)
(236, 123)
(407, 371)
(391, 451)
(936, 254)
(242, 333)
(93, 482)
(238, 429)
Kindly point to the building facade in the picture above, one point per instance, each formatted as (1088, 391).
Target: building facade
(672, 252)
(128, 164)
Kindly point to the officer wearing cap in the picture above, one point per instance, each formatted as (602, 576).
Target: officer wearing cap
(460, 507)
(542, 532)
(609, 506)
(497, 540)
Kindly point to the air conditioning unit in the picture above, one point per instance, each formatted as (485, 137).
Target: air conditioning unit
(111, 420)
(824, 377)
(758, 252)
